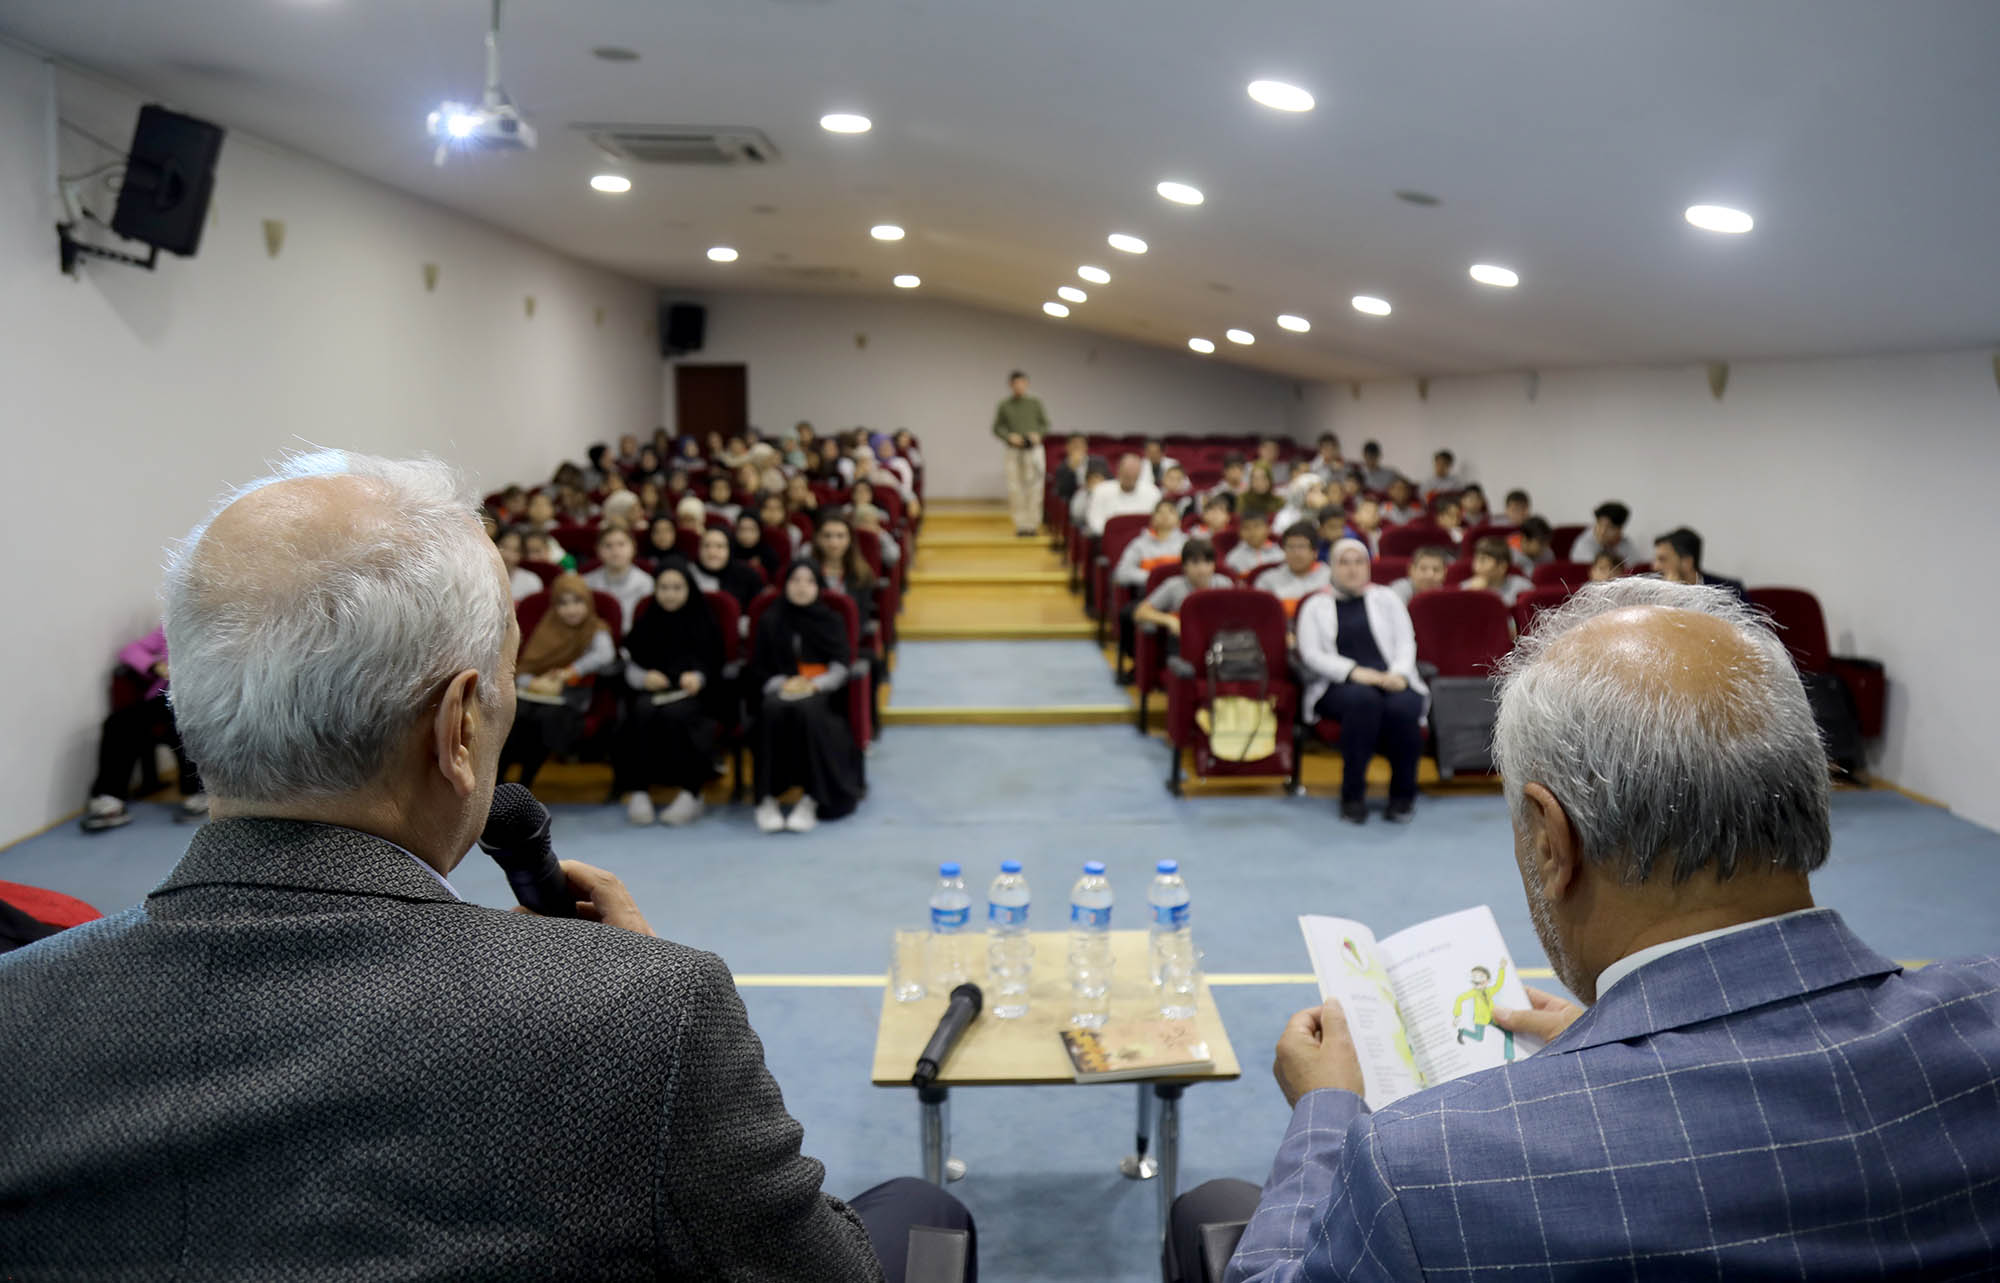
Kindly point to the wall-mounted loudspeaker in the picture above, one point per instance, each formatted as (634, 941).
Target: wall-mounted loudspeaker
(163, 199)
(682, 327)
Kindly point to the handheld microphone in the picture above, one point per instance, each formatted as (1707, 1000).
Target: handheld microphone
(517, 837)
(966, 1000)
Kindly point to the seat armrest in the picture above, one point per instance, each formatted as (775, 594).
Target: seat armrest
(1182, 668)
(1427, 670)
(1218, 1244)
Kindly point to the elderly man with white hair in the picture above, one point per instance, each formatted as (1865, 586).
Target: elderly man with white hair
(1131, 494)
(304, 1056)
(1749, 1091)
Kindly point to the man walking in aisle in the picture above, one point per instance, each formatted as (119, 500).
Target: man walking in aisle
(1019, 422)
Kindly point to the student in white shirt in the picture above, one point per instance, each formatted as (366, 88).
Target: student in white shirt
(1161, 542)
(1131, 493)
(617, 575)
(521, 582)
(1608, 535)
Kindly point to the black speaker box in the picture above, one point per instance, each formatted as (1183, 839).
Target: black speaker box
(163, 200)
(682, 326)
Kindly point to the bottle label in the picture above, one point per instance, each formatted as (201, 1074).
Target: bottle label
(1082, 917)
(950, 919)
(1170, 915)
(1007, 915)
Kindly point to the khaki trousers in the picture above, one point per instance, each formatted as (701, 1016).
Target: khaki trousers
(1026, 470)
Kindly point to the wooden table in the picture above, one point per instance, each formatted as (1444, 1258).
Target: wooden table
(1026, 1051)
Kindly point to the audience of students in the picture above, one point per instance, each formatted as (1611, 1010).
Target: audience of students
(1472, 509)
(799, 664)
(615, 574)
(1300, 573)
(1359, 645)
(1162, 607)
(751, 542)
(553, 677)
(1529, 545)
(717, 569)
(1218, 512)
(1606, 535)
(1254, 547)
(673, 668)
(1442, 478)
(1159, 543)
(1518, 509)
(1426, 573)
(520, 582)
(1374, 476)
(1677, 559)
(1493, 571)
(1401, 508)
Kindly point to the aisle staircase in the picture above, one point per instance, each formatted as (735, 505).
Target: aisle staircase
(975, 581)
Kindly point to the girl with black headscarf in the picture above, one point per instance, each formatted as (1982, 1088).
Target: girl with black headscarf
(715, 570)
(798, 665)
(748, 544)
(673, 667)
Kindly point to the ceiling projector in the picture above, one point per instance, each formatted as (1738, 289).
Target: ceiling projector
(494, 124)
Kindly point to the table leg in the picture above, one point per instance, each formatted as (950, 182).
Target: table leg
(1137, 1166)
(934, 1110)
(1169, 1129)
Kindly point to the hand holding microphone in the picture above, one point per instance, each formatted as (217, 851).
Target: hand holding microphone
(517, 837)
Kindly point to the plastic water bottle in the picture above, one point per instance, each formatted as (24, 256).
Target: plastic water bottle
(1170, 943)
(1010, 955)
(1090, 948)
(951, 910)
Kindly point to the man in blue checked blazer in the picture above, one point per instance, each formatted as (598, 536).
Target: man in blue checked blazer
(1750, 1090)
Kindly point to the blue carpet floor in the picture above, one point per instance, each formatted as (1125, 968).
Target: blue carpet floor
(976, 674)
(1913, 880)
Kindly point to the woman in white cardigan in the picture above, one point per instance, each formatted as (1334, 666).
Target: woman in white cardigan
(1357, 642)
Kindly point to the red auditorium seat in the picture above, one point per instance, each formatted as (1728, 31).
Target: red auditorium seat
(1563, 538)
(888, 599)
(1386, 570)
(860, 683)
(1149, 646)
(1457, 572)
(1202, 616)
(1403, 541)
(1561, 574)
(1802, 624)
(542, 570)
(1461, 636)
(51, 907)
(1118, 532)
(578, 540)
(1533, 602)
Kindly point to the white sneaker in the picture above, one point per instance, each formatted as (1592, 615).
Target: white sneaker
(104, 812)
(804, 817)
(685, 809)
(639, 807)
(770, 819)
(194, 807)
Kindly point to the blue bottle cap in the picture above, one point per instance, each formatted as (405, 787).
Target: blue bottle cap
(1168, 866)
(1010, 866)
(1094, 867)
(949, 869)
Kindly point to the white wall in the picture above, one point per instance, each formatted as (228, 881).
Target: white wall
(1872, 482)
(938, 369)
(129, 399)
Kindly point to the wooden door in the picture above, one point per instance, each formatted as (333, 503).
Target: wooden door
(711, 398)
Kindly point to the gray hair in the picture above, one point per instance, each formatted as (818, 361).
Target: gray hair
(1643, 772)
(302, 686)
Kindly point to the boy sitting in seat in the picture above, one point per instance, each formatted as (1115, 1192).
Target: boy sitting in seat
(1162, 607)
(1493, 571)
(1531, 545)
(1427, 567)
(1254, 547)
(1302, 572)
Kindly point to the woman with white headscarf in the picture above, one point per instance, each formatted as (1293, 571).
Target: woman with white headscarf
(1358, 642)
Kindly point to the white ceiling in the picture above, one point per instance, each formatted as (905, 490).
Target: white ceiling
(1564, 137)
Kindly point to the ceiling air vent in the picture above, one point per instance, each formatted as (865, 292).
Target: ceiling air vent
(682, 144)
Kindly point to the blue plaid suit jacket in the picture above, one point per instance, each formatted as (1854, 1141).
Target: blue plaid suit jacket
(1779, 1102)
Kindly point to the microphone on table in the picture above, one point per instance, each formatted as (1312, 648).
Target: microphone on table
(966, 1001)
(517, 837)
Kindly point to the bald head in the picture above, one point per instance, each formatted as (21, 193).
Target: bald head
(315, 617)
(1669, 723)
(1130, 466)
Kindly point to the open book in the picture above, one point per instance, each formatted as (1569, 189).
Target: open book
(1420, 1003)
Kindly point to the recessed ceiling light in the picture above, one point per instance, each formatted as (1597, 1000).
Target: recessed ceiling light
(841, 122)
(1055, 309)
(1203, 346)
(615, 53)
(1488, 274)
(886, 232)
(1370, 304)
(1720, 218)
(612, 183)
(1071, 294)
(721, 254)
(907, 282)
(1180, 193)
(1245, 337)
(1095, 275)
(1130, 244)
(1279, 96)
(1296, 324)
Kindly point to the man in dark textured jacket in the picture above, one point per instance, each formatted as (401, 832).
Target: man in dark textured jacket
(303, 1056)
